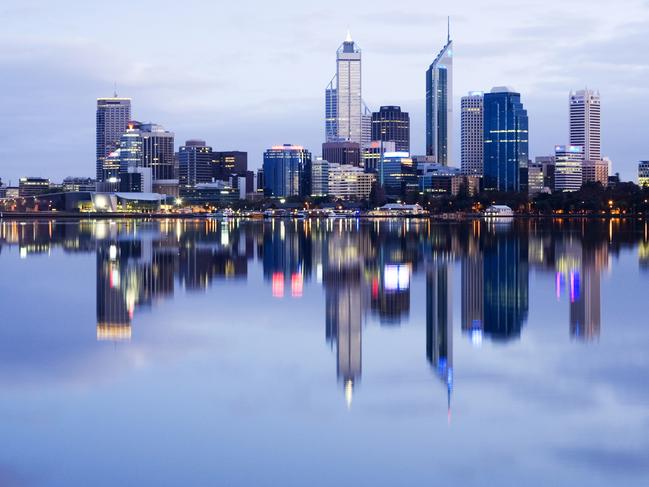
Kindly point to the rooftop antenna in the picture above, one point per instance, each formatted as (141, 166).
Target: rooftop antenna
(448, 29)
(115, 89)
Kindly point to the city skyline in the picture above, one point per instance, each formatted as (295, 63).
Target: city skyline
(198, 104)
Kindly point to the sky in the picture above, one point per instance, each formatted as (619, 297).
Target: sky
(247, 75)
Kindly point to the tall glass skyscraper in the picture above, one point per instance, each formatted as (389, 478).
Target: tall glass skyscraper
(287, 171)
(439, 105)
(346, 117)
(112, 119)
(505, 141)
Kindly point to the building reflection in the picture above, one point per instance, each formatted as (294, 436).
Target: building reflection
(369, 270)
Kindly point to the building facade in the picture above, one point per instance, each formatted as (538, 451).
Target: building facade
(397, 174)
(505, 141)
(195, 161)
(33, 186)
(472, 134)
(158, 150)
(371, 154)
(342, 153)
(568, 167)
(390, 124)
(319, 177)
(226, 163)
(349, 182)
(643, 173)
(113, 115)
(585, 123)
(285, 169)
(595, 172)
(439, 105)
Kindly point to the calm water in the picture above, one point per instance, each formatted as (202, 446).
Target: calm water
(324, 353)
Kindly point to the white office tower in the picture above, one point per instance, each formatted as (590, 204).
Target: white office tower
(472, 143)
(345, 112)
(568, 167)
(585, 123)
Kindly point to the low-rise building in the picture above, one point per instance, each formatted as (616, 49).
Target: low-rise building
(643, 173)
(30, 186)
(349, 182)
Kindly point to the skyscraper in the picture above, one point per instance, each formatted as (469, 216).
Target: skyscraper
(345, 112)
(568, 167)
(585, 123)
(113, 115)
(390, 124)
(195, 161)
(439, 105)
(158, 151)
(505, 141)
(472, 135)
(285, 170)
(227, 163)
(342, 153)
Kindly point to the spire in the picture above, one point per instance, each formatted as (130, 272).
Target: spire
(115, 90)
(448, 30)
(349, 37)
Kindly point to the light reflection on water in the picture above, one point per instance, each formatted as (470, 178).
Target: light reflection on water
(539, 325)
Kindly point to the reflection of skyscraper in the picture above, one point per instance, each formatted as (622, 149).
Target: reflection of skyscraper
(113, 317)
(473, 296)
(506, 284)
(439, 323)
(585, 287)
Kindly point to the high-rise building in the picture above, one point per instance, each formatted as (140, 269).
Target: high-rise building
(390, 124)
(472, 134)
(397, 174)
(227, 163)
(595, 172)
(535, 178)
(568, 167)
(158, 150)
(195, 160)
(285, 169)
(505, 141)
(548, 165)
(113, 115)
(585, 123)
(371, 154)
(319, 177)
(347, 118)
(643, 173)
(439, 105)
(342, 153)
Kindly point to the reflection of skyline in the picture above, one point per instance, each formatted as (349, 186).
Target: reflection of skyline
(368, 271)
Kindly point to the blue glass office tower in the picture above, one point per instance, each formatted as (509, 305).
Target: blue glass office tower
(287, 171)
(439, 105)
(505, 141)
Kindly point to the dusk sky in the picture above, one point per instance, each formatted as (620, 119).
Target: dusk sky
(247, 75)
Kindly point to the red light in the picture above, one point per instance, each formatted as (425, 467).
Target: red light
(278, 285)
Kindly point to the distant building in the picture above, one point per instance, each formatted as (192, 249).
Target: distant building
(342, 153)
(72, 184)
(113, 115)
(505, 141)
(535, 178)
(226, 163)
(390, 124)
(643, 173)
(439, 105)
(319, 177)
(195, 160)
(397, 174)
(157, 150)
(595, 172)
(349, 182)
(548, 165)
(472, 134)
(568, 167)
(439, 179)
(33, 186)
(372, 152)
(285, 169)
(585, 123)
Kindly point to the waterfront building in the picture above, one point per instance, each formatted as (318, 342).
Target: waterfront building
(349, 182)
(585, 123)
(226, 163)
(157, 150)
(595, 172)
(30, 186)
(439, 105)
(195, 161)
(342, 152)
(548, 165)
(472, 134)
(643, 173)
(439, 179)
(390, 124)
(285, 170)
(397, 174)
(505, 141)
(73, 184)
(371, 154)
(535, 178)
(319, 177)
(113, 115)
(568, 167)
